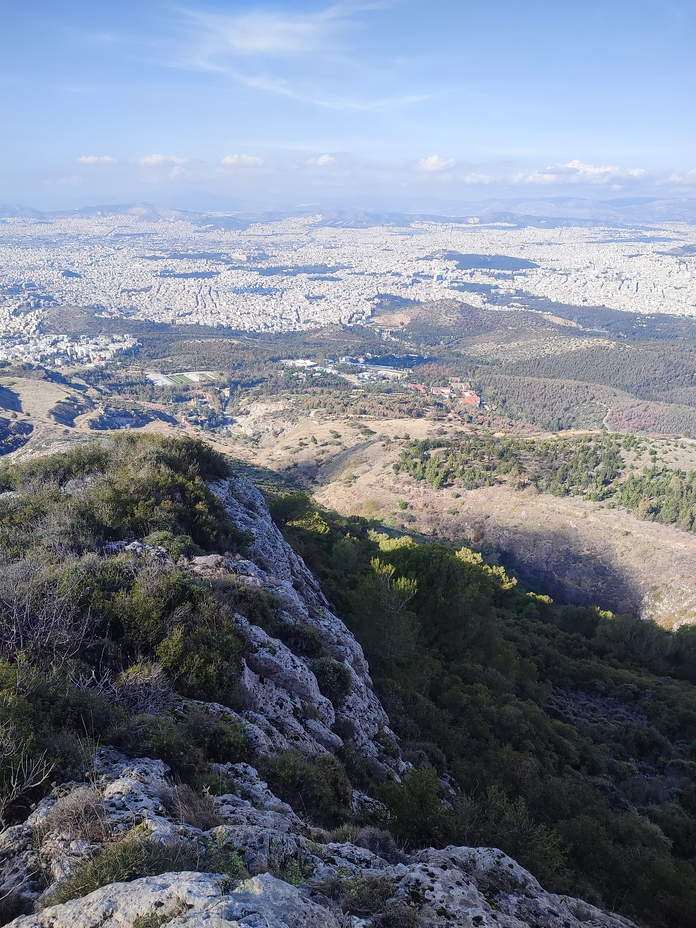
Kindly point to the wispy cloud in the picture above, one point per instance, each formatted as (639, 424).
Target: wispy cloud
(308, 57)
(685, 180)
(322, 160)
(242, 161)
(97, 159)
(272, 33)
(435, 163)
(478, 179)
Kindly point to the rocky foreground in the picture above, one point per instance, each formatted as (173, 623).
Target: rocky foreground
(276, 869)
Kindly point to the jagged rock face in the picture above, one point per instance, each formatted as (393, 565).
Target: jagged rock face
(479, 887)
(277, 681)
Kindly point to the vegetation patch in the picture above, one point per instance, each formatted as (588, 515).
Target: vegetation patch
(595, 467)
(318, 788)
(125, 860)
(567, 730)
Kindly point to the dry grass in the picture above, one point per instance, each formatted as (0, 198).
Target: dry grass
(80, 815)
(190, 808)
(401, 916)
(12, 905)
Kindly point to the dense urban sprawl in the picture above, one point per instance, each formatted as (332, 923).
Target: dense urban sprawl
(300, 272)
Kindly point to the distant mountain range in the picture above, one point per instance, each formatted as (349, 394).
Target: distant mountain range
(544, 212)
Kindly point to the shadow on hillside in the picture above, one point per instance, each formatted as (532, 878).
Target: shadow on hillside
(568, 568)
(571, 569)
(10, 400)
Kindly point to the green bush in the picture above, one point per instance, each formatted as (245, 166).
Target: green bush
(176, 545)
(334, 679)
(290, 507)
(188, 744)
(319, 788)
(418, 814)
(358, 895)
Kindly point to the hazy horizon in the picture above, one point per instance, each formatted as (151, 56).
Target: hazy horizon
(235, 105)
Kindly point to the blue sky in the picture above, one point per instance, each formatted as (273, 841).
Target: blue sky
(402, 102)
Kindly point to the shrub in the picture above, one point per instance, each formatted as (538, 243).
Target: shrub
(176, 546)
(381, 843)
(290, 507)
(320, 787)
(143, 689)
(190, 808)
(188, 745)
(302, 639)
(366, 895)
(221, 859)
(359, 895)
(419, 816)
(334, 679)
(125, 860)
(161, 737)
(221, 741)
(295, 871)
(401, 916)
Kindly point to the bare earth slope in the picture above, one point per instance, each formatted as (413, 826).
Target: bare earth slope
(577, 551)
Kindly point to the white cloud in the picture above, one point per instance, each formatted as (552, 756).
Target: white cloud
(683, 179)
(322, 160)
(260, 33)
(242, 161)
(577, 172)
(74, 181)
(158, 160)
(97, 159)
(435, 163)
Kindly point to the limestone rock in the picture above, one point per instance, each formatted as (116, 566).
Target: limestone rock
(20, 866)
(250, 785)
(286, 692)
(185, 900)
(485, 888)
(273, 564)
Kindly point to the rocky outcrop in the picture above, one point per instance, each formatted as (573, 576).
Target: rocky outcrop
(188, 899)
(281, 686)
(458, 885)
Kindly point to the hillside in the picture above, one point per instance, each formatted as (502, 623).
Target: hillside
(182, 700)
(547, 374)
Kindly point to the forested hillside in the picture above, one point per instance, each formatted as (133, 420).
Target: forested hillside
(566, 733)
(564, 736)
(622, 470)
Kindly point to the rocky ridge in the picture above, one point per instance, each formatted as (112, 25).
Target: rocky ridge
(290, 874)
(456, 885)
